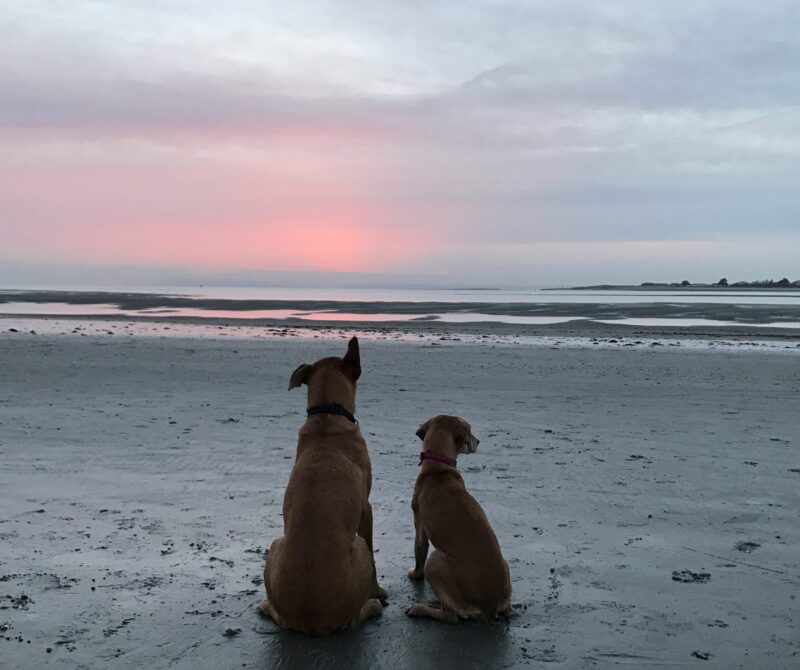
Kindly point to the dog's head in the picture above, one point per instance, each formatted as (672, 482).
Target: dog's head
(451, 427)
(332, 370)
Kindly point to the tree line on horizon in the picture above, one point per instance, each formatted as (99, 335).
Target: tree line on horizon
(761, 283)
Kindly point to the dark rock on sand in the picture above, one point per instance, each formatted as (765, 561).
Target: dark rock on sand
(689, 577)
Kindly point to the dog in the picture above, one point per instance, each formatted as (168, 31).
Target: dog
(320, 576)
(466, 570)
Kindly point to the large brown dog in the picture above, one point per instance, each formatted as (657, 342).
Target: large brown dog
(466, 570)
(320, 576)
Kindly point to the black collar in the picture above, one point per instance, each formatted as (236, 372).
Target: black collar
(331, 408)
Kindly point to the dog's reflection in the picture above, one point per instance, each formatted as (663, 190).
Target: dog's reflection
(354, 649)
(396, 641)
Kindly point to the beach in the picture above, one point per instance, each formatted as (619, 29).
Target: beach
(643, 484)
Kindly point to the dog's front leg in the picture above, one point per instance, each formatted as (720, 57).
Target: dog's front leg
(365, 531)
(365, 525)
(420, 547)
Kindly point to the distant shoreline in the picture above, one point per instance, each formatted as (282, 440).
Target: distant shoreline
(678, 286)
(691, 288)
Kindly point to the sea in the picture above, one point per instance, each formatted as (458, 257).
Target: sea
(696, 306)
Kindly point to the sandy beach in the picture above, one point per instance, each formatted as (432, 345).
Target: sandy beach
(645, 496)
(573, 224)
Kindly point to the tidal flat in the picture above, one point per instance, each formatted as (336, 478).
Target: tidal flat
(645, 496)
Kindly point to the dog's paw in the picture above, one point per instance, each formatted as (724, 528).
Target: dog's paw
(380, 594)
(415, 610)
(507, 613)
(415, 574)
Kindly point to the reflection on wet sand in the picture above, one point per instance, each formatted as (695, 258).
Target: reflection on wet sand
(413, 644)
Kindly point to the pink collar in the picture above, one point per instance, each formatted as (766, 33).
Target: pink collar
(439, 458)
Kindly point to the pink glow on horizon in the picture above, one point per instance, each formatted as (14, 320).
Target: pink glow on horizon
(335, 241)
(102, 205)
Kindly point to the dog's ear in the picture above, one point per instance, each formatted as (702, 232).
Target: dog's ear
(423, 429)
(300, 376)
(466, 442)
(352, 359)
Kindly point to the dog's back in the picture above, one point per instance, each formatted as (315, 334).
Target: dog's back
(328, 484)
(457, 525)
(320, 575)
(466, 570)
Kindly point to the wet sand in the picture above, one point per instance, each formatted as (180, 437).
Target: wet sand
(747, 312)
(646, 498)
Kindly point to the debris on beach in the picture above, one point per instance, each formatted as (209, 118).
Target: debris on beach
(689, 577)
(21, 602)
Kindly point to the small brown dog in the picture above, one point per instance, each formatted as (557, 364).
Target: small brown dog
(320, 576)
(466, 570)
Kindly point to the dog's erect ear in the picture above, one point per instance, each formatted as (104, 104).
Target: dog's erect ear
(423, 430)
(299, 376)
(466, 442)
(352, 359)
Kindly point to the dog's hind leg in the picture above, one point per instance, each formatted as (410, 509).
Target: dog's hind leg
(443, 578)
(268, 610)
(371, 608)
(433, 610)
(421, 545)
(505, 610)
(365, 531)
(362, 583)
(270, 570)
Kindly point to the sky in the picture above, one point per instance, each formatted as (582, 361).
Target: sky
(503, 143)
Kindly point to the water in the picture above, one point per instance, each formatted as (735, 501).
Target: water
(458, 295)
(535, 306)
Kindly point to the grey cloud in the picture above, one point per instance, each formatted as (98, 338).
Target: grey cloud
(574, 54)
(529, 120)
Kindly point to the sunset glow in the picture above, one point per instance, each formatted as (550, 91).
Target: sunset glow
(488, 149)
(332, 243)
